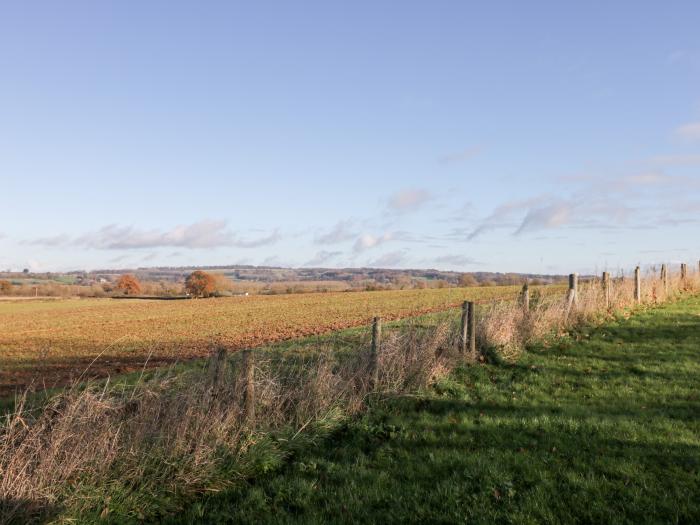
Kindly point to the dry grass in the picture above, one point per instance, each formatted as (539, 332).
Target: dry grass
(118, 449)
(174, 434)
(505, 327)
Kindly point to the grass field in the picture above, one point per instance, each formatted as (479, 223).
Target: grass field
(54, 341)
(603, 427)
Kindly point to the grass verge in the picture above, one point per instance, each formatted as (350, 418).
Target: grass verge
(601, 427)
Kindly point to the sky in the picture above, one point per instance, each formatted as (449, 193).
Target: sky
(543, 137)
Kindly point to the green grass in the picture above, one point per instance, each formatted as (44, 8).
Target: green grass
(602, 427)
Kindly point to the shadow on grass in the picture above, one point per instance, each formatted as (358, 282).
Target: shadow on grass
(18, 512)
(615, 438)
(487, 463)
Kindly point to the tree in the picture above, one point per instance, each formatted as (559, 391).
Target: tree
(467, 279)
(5, 287)
(222, 283)
(129, 285)
(200, 284)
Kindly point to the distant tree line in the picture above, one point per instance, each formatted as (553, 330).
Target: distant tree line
(201, 284)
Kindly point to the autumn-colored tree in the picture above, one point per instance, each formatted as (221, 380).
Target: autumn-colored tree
(200, 284)
(222, 283)
(129, 285)
(467, 279)
(5, 287)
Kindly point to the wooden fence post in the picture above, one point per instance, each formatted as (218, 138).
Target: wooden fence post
(217, 364)
(463, 329)
(684, 271)
(606, 289)
(637, 285)
(572, 298)
(526, 297)
(471, 323)
(249, 364)
(664, 278)
(376, 348)
(573, 286)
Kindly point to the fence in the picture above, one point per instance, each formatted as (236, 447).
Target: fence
(181, 427)
(601, 294)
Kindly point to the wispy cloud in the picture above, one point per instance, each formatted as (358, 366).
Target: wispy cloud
(275, 261)
(650, 177)
(343, 231)
(503, 214)
(456, 260)
(690, 131)
(367, 241)
(389, 260)
(675, 56)
(266, 240)
(550, 216)
(56, 240)
(675, 160)
(119, 258)
(322, 257)
(635, 200)
(460, 156)
(203, 234)
(408, 200)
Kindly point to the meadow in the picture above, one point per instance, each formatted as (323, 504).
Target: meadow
(52, 342)
(601, 427)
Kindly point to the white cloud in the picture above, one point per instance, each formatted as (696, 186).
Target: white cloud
(56, 240)
(690, 131)
(34, 265)
(341, 232)
(651, 177)
(272, 238)
(119, 258)
(675, 56)
(388, 260)
(367, 241)
(408, 200)
(275, 261)
(675, 160)
(550, 216)
(455, 260)
(460, 156)
(635, 200)
(503, 214)
(322, 257)
(203, 234)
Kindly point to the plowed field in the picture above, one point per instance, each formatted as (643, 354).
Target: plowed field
(53, 340)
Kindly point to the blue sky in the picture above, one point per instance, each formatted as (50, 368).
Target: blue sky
(500, 136)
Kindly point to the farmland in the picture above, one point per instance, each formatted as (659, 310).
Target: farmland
(53, 341)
